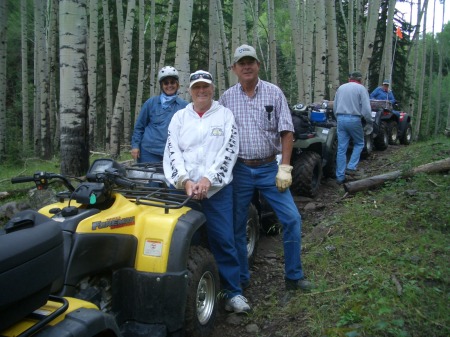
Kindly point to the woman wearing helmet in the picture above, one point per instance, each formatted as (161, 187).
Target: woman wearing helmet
(150, 130)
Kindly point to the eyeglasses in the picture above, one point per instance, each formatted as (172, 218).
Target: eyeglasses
(200, 75)
(169, 82)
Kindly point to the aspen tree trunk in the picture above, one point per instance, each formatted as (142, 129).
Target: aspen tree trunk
(36, 80)
(238, 32)
(430, 82)
(119, 11)
(3, 39)
(421, 84)
(182, 49)
(369, 37)
(214, 40)
(386, 70)
(225, 49)
(165, 40)
(108, 74)
(321, 52)
(43, 84)
(73, 79)
(120, 107)
(298, 50)
(255, 14)
(333, 51)
(154, 85)
(92, 70)
(438, 96)
(140, 79)
(359, 34)
(308, 50)
(53, 75)
(24, 59)
(350, 42)
(272, 42)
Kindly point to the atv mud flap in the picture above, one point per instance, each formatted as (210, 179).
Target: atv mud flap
(150, 299)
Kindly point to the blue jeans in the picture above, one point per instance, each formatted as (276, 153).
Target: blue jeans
(219, 227)
(148, 157)
(348, 127)
(246, 180)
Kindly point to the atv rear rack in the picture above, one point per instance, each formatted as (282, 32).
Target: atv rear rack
(158, 197)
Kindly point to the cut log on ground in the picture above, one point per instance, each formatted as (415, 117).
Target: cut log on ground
(371, 182)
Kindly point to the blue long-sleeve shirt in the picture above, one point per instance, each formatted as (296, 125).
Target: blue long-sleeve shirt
(381, 94)
(150, 129)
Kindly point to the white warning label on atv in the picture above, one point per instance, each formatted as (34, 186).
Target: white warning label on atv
(153, 248)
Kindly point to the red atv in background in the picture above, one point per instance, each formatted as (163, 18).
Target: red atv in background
(396, 123)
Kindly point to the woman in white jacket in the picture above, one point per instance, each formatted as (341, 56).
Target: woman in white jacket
(201, 150)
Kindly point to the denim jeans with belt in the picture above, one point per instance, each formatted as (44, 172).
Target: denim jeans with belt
(348, 127)
(219, 227)
(247, 179)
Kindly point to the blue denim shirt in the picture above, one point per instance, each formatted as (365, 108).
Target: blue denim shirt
(150, 129)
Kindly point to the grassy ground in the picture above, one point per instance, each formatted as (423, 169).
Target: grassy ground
(384, 268)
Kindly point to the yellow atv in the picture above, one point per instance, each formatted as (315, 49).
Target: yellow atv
(133, 247)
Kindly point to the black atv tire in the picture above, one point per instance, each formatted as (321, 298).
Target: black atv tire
(329, 170)
(393, 132)
(406, 138)
(203, 288)
(368, 147)
(306, 174)
(253, 228)
(381, 141)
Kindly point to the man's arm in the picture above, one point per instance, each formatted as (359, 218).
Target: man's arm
(287, 143)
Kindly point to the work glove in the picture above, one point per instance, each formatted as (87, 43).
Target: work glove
(284, 177)
(368, 129)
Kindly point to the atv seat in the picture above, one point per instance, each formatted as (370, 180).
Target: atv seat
(31, 258)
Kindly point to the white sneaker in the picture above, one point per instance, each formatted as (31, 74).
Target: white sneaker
(238, 304)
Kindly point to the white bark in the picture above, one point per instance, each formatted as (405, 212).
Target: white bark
(73, 79)
(141, 61)
(108, 74)
(298, 50)
(92, 69)
(120, 107)
(272, 42)
(321, 52)
(369, 38)
(333, 51)
(183, 41)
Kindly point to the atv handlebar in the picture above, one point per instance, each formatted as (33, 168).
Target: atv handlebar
(41, 180)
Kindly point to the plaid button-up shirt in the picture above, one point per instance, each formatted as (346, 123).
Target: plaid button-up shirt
(260, 118)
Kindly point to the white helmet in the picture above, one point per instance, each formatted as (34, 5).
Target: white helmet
(167, 71)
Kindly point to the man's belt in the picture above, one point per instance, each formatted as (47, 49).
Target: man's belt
(257, 162)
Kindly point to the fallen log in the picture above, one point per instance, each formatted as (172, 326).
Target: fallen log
(371, 182)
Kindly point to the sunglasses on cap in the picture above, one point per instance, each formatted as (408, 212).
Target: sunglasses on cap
(200, 75)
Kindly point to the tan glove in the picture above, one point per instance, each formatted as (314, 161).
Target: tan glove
(284, 177)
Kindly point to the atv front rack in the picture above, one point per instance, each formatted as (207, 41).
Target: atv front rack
(158, 197)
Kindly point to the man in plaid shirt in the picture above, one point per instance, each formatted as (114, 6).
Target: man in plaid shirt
(265, 129)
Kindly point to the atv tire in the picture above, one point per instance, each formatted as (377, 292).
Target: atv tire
(329, 170)
(368, 147)
(393, 132)
(203, 288)
(306, 174)
(406, 138)
(381, 141)
(253, 228)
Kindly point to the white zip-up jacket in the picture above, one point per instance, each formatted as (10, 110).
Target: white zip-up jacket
(205, 146)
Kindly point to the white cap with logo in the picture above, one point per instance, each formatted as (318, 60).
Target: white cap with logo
(243, 51)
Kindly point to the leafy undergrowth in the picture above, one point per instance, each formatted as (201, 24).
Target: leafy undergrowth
(381, 266)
